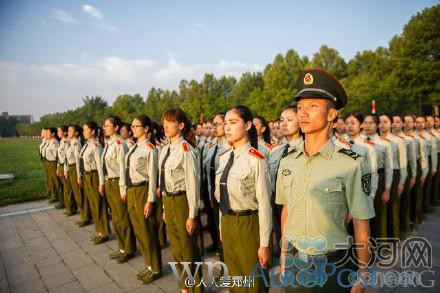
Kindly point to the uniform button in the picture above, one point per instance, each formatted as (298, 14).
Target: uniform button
(327, 189)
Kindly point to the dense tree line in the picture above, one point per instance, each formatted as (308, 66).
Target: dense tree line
(404, 77)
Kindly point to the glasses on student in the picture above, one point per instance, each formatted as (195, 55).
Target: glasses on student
(135, 126)
(219, 124)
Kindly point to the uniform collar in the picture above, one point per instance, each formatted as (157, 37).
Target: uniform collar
(223, 142)
(141, 142)
(112, 140)
(242, 149)
(177, 142)
(326, 150)
(374, 136)
(358, 139)
(295, 142)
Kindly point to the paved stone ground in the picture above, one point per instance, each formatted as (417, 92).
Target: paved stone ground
(43, 251)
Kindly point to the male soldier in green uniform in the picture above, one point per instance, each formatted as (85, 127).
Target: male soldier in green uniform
(319, 185)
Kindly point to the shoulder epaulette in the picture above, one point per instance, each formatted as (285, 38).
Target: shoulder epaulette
(225, 151)
(97, 144)
(349, 153)
(185, 146)
(432, 134)
(409, 135)
(289, 152)
(256, 153)
(369, 142)
(268, 145)
(401, 136)
(343, 141)
(150, 145)
(421, 136)
(211, 145)
(130, 141)
(385, 139)
(118, 141)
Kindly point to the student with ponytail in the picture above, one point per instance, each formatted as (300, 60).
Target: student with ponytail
(243, 192)
(141, 182)
(113, 165)
(69, 200)
(263, 134)
(72, 172)
(93, 179)
(51, 155)
(179, 186)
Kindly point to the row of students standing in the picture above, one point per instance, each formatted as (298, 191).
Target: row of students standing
(402, 155)
(151, 181)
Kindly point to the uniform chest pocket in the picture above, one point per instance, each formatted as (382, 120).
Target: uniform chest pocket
(242, 180)
(285, 177)
(330, 191)
(141, 163)
(113, 155)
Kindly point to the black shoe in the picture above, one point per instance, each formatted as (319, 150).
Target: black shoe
(124, 257)
(59, 206)
(83, 223)
(69, 214)
(212, 248)
(115, 255)
(52, 200)
(141, 274)
(150, 277)
(93, 238)
(100, 240)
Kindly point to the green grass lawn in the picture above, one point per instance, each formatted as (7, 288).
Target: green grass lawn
(20, 157)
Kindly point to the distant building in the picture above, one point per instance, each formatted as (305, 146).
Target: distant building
(22, 118)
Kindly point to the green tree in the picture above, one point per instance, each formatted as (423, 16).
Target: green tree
(416, 59)
(127, 107)
(329, 59)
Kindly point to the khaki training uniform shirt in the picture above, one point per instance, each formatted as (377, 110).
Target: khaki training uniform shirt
(399, 155)
(182, 172)
(222, 146)
(422, 152)
(319, 191)
(434, 148)
(42, 146)
(72, 156)
(389, 159)
(248, 186)
(62, 150)
(143, 166)
(367, 150)
(115, 150)
(430, 148)
(91, 154)
(51, 150)
(275, 157)
(411, 156)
